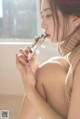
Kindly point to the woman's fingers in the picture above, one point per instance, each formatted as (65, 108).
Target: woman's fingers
(22, 59)
(20, 64)
(26, 72)
(27, 50)
(23, 53)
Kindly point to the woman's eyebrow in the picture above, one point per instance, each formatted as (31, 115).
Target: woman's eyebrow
(45, 10)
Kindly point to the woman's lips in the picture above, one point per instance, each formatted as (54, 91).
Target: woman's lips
(48, 35)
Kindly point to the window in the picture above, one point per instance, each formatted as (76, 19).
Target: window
(1, 9)
(18, 20)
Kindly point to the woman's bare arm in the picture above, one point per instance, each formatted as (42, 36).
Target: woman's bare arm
(46, 112)
(28, 110)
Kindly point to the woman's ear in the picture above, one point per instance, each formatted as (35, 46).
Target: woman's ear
(75, 21)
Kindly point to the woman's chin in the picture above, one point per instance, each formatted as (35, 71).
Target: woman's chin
(53, 40)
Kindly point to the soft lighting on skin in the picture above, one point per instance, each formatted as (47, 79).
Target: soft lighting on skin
(39, 118)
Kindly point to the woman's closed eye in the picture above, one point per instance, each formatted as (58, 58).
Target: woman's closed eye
(46, 16)
(49, 15)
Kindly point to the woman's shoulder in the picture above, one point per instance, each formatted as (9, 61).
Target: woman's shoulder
(56, 65)
(55, 61)
(52, 69)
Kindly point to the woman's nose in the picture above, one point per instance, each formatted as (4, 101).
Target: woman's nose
(43, 24)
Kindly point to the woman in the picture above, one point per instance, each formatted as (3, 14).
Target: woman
(52, 90)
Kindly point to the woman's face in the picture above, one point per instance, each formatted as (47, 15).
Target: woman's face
(49, 23)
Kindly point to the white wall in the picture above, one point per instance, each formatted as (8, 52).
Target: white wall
(10, 80)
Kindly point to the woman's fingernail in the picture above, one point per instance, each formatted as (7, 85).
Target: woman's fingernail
(30, 51)
(27, 61)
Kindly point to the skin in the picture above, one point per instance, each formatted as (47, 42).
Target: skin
(44, 84)
(49, 24)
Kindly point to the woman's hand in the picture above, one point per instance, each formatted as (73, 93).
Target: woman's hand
(27, 70)
(34, 63)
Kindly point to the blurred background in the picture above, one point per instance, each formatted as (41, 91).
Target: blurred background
(18, 20)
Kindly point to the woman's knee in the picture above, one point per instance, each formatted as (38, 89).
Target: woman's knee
(48, 78)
